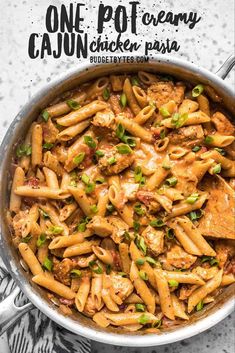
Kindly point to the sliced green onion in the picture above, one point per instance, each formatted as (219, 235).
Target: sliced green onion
(138, 174)
(95, 267)
(76, 273)
(135, 81)
(45, 115)
(23, 150)
(41, 240)
(120, 131)
(208, 139)
(129, 140)
(200, 306)
(143, 275)
(178, 120)
(82, 224)
(212, 260)
(136, 226)
(170, 233)
(110, 207)
(157, 324)
(108, 269)
(26, 239)
(150, 260)
(192, 198)
(143, 319)
(162, 134)
(173, 283)
(89, 141)
(140, 261)
(94, 208)
(171, 181)
(90, 188)
(196, 148)
(220, 150)
(164, 112)
(47, 145)
(142, 181)
(124, 149)
(127, 236)
(123, 100)
(166, 166)
(111, 160)
(139, 307)
(73, 104)
(56, 229)
(193, 215)
(138, 209)
(197, 90)
(79, 158)
(216, 169)
(85, 179)
(152, 104)
(158, 223)
(43, 213)
(48, 264)
(99, 180)
(99, 153)
(106, 94)
(122, 274)
(141, 244)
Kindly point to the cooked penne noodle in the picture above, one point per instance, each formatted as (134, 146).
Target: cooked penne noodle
(36, 157)
(63, 107)
(183, 277)
(144, 115)
(178, 307)
(30, 259)
(72, 131)
(164, 295)
(82, 294)
(218, 140)
(188, 106)
(80, 248)
(192, 119)
(129, 318)
(66, 241)
(51, 178)
(140, 96)
(132, 102)
(134, 128)
(54, 286)
(18, 180)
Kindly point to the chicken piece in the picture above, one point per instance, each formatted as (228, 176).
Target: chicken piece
(189, 135)
(186, 290)
(154, 240)
(148, 199)
(222, 124)
(122, 286)
(218, 219)
(162, 92)
(115, 105)
(105, 118)
(101, 226)
(225, 250)
(62, 269)
(114, 162)
(20, 223)
(206, 273)
(130, 190)
(90, 308)
(178, 258)
(50, 132)
(119, 228)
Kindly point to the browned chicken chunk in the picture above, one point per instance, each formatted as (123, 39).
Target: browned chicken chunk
(162, 92)
(122, 285)
(154, 240)
(62, 269)
(178, 258)
(105, 118)
(193, 134)
(114, 162)
(222, 124)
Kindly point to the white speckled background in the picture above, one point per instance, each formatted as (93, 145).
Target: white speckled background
(208, 44)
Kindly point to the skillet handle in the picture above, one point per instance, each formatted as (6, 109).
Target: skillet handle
(226, 67)
(9, 312)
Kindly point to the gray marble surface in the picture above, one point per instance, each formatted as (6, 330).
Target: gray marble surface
(208, 45)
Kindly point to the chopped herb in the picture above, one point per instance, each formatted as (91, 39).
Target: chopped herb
(56, 229)
(138, 174)
(45, 115)
(43, 213)
(95, 267)
(192, 198)
(79, 158)
(170, 233)
(220, 150)
(89, 141)
(200, 306)
(143, 319)
(48, 264)
(47, 146)
(136, 226)
(76, 273)
(164, 112)
(82, 224)
(41, 240)
(166, 166)
(141, 244)
(85, 179)
(110, 207)
(197, 90)
(120, 131)
(99, 153)
(73, 104)
(135, 81)
(140, 261)
(162, 134)
(129, 140)
(193, 215)
(111, 160)
(99, 180)
(26, 239)
(90, 188)
(171, 181)
(150, 260)
(124, 149)
(196, 148)
(157, 324)
(208, 139)
(173, 283)
(152, 104)
(23, 150)
(94, 208)
(122, 274)
(212, 260)
(123, 100)
(106, 94)
(178, 120)
(142, 181)
(127, 235)
(73, 183)
(158, 223)
(143, 275)
(138, 209)
(139, 307)
(216, 169)
(108, 269)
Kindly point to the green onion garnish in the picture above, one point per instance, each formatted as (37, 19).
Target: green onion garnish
(170, 233)
(216, 169)
(135, 81)
(140, 261)
(47, 145)
(199, 306)
(138, 209)
(194, 215)
(208, 139)
(158, 223)
(85, 179)
(124, 149)
(73, 104)
(89, 141)
(23, 150)
(82, 224)
(76, 273)
(79, 158)
(45, 115)
(143, 275)
(196, 148)
(90, 188)
(144, 319)
(220, 150)
(164, 112)
(110, 207)
(99, 153)
(94, 208)
(212, 260)
(136, 226)
(26, 239)
(106, 94)
(41, 240)
(111, 160)
(56, 229)
(95, 267)
(192, 198)
(48, 264)
(108, 269)
(173, 283)
(141, 244)
(150, 260)
(139, 307)
(197, 90)
(138, 174)
(123, 100)
(171, 181)
(178, 120)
